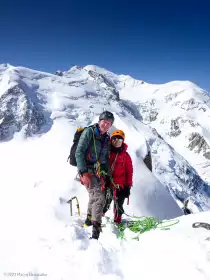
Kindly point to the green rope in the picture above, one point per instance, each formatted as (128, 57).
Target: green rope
(143, 225)
(103, 173)
(98, 169)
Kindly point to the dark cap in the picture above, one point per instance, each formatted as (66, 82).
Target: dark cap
(106, 115)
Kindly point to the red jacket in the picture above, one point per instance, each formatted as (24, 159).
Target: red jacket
(121, 168)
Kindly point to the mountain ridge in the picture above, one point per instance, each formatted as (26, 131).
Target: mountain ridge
(32, 101)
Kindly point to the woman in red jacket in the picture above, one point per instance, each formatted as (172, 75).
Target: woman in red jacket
(122, 174)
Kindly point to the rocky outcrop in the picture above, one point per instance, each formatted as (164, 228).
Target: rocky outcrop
(190, 104)
(18, 112)
(110, 86)
(148, 112)
(175, 129)
(59, 73)
(199, 145)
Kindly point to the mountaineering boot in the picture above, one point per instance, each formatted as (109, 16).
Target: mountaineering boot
(117, 216)
(96, 230)
(88, 221)
(118, 219)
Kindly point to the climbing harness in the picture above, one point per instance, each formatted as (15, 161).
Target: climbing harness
(201, 225)
(77, 205)
(100, 174)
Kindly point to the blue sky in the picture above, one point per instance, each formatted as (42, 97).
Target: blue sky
(157, 41)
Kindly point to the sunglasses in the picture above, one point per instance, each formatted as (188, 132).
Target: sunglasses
(117, 139)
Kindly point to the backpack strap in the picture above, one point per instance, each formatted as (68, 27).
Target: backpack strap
(97, 164)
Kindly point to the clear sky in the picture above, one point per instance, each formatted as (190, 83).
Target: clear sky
(157, 41)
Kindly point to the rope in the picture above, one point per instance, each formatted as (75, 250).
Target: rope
(103, 173)
(100, 172)
(113, 164)
(142, 223)
(97, 164)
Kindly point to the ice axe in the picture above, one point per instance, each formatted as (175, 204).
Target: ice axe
(77, 204)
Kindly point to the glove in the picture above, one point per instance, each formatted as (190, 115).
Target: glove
(107, 181)
(127, 191)
(86, 180)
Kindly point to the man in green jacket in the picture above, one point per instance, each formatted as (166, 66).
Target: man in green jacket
(92, 157)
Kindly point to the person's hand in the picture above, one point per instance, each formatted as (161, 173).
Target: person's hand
(86, 179)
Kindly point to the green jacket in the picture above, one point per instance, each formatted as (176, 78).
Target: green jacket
(87, 153)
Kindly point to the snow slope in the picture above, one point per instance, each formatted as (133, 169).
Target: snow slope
(39, 237)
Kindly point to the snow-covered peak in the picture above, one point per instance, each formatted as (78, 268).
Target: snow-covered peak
(5, 66)
(97, 69)
(140, 91)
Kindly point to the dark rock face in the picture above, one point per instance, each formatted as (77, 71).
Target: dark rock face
(175, 129)
(148, 112)
(59, 73)
(199, 144)
(172, 96)
(17, 111)
(153, 115)
(99, 78)
(190, 104)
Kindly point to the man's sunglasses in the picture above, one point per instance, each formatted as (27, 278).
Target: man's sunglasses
(117, 139)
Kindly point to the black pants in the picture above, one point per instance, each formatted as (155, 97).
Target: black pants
(118, 203)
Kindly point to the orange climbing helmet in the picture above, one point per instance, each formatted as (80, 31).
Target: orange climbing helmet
(118, 133)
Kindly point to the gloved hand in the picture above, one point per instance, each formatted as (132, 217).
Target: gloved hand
(127, 191)
(86, 179)
(107, 181)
